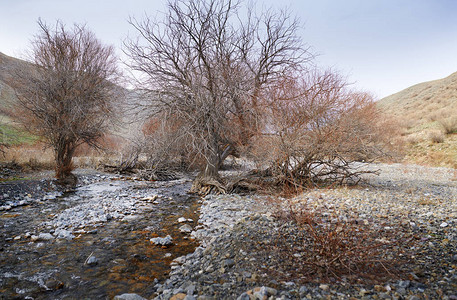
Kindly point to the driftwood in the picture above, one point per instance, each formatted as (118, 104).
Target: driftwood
(239, 185)
(205, 186)
(158, 174)
(122, 170)
(153, 174)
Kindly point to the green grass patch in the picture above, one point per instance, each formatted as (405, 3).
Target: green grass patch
(11, 135)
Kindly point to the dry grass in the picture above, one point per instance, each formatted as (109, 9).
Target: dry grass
(425, 152)
(424, 103)
(36, 157)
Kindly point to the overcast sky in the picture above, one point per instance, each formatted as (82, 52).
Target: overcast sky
(382, 46)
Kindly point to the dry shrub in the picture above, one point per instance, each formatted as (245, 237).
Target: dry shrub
(317, 128)
(325, 248)
(436, 136)
(412, 139)
(449, 125)
(106, 143)
(159, 152)
(30, 157)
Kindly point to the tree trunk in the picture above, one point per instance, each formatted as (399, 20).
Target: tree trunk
(208, 180)
(63, 156)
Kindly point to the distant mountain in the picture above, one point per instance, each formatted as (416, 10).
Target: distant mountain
(420, 106)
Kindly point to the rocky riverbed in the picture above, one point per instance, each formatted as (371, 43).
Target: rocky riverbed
(92, 242)
(249, 246)
(249, 252)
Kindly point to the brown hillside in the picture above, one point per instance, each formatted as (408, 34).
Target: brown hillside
(428, 114)
(9, 66)
(420, 106)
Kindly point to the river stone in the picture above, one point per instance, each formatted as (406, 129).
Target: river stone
(185, 229)
(54, 285)
(182, 220)
(228, 263)
(128, 297)
(166, 241)
(64, 234)
(179, 296)
(243, 296)
(92, 261)
(259, 293)
(45, 237)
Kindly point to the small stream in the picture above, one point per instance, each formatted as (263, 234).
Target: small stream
(94, 242)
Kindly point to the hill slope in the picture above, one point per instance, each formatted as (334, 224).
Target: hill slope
(8, 67)
(428, 114)
(422, 105)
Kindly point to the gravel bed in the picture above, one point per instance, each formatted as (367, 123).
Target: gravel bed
(240, 237)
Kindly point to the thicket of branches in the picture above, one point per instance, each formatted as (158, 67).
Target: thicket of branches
(222, 82)
(216, 79)
(316, 127)
(205, 67)
(67, 96)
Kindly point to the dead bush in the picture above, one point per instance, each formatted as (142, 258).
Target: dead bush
(323, 247)
(436, 136)
(449, 125)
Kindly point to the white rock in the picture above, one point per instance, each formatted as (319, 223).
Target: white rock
(44, 237)
(128, 297)
(166, 241)
(444, 224)
(185, 229)
(182, 220)
(92, 261)
(64, 234)
(150, 198)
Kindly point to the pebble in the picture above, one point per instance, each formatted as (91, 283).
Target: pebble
(227, 220)
(92, 261)
(42, 237)
(185, 229)
(324, 287)
(128, 297)
(63, 234)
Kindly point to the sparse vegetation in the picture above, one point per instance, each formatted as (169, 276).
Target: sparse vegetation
(205, 69)
(214, 86)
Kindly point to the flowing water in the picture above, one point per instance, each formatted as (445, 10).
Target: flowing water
(112, 222)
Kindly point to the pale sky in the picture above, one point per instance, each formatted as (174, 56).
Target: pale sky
(382, 46)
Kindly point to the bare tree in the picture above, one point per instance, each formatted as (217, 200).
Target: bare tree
(205, 64)
(316, 128)
(66, 98)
